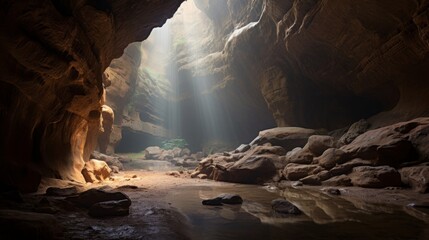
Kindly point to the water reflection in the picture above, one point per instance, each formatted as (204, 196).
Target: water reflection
(325, 216)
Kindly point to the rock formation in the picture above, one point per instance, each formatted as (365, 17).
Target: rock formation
(53, 55)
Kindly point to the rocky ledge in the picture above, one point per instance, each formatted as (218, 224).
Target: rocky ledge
(391, 156)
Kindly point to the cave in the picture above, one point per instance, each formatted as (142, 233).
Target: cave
(226, 119)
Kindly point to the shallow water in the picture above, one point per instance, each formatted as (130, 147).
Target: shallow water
(325, 216)
(150, 165)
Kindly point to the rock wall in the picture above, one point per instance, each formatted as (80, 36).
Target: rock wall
(53, 55)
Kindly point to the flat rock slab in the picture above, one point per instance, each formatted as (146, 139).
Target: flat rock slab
(93, 196)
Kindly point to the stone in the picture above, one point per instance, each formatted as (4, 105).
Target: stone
(224, 198)
(185, 152)
(189, 163)
(332, 191)
(115, 169)
(61, 192)
(95, 170)
(195, 174)
(312, 180)
(202, 176)
(417, 177)
(348, 166)
(354, 131)
(317, 144)
(331, 157)
(250, 169)
(295, 172)
(90, 197)
(286, 137)
(110, 209)
(299, 156)
(153, 152)
(388, 145)
(110, 160)
(375, 177)
(341, 180)
(285, 207)
(16, 224)
(213, 202)
(243, 148)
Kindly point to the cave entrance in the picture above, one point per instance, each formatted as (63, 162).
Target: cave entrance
(181, 87)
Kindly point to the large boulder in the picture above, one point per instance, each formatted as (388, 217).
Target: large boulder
(331, 157)
(96, 170)
(294, 172)
(375, 177)
(286, 137)
(110, 209)
(383, 146)
(153, 152)
(354, 131)
(299, 155)
(417, 177)
(90, 197)
(252, 169)
(317, 144)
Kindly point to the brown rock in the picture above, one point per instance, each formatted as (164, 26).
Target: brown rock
(61, 192)
(417, 177)
(384, 146)
(299, 156)
(317, 144)
(341, 180)
(295, 172)
(375, 177)
(348, 166)
(153, 152)
(332, 157)
(313, 180)
(96, 170)
(88, 198)
(354, 131)
(286, 137)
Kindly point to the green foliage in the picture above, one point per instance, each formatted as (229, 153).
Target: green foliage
(172, 143)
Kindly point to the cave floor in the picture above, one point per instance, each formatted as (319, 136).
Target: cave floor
(169, 207)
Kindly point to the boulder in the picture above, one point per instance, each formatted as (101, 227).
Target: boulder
(28, 225)
(224, 198)
(285, 207)
(96, 170)
(317, 144)
(348, 166)
(176, 152)
(88, 198)
(295, 172)
(201, 176)
(341, 180)
(354, 131)
(375, 177)
(153, 152)
(384, 146)
(110, 160)
(331, 157)
(417, 177)
(286, 137)
(185, 152)
(190, 163)
(299, 155)
(312, 180)
(251, 169)
(110, 209)
(242, 148)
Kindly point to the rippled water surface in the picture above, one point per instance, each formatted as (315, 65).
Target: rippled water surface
(325, 216)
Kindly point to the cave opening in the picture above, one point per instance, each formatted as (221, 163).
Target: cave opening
(180, 90)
